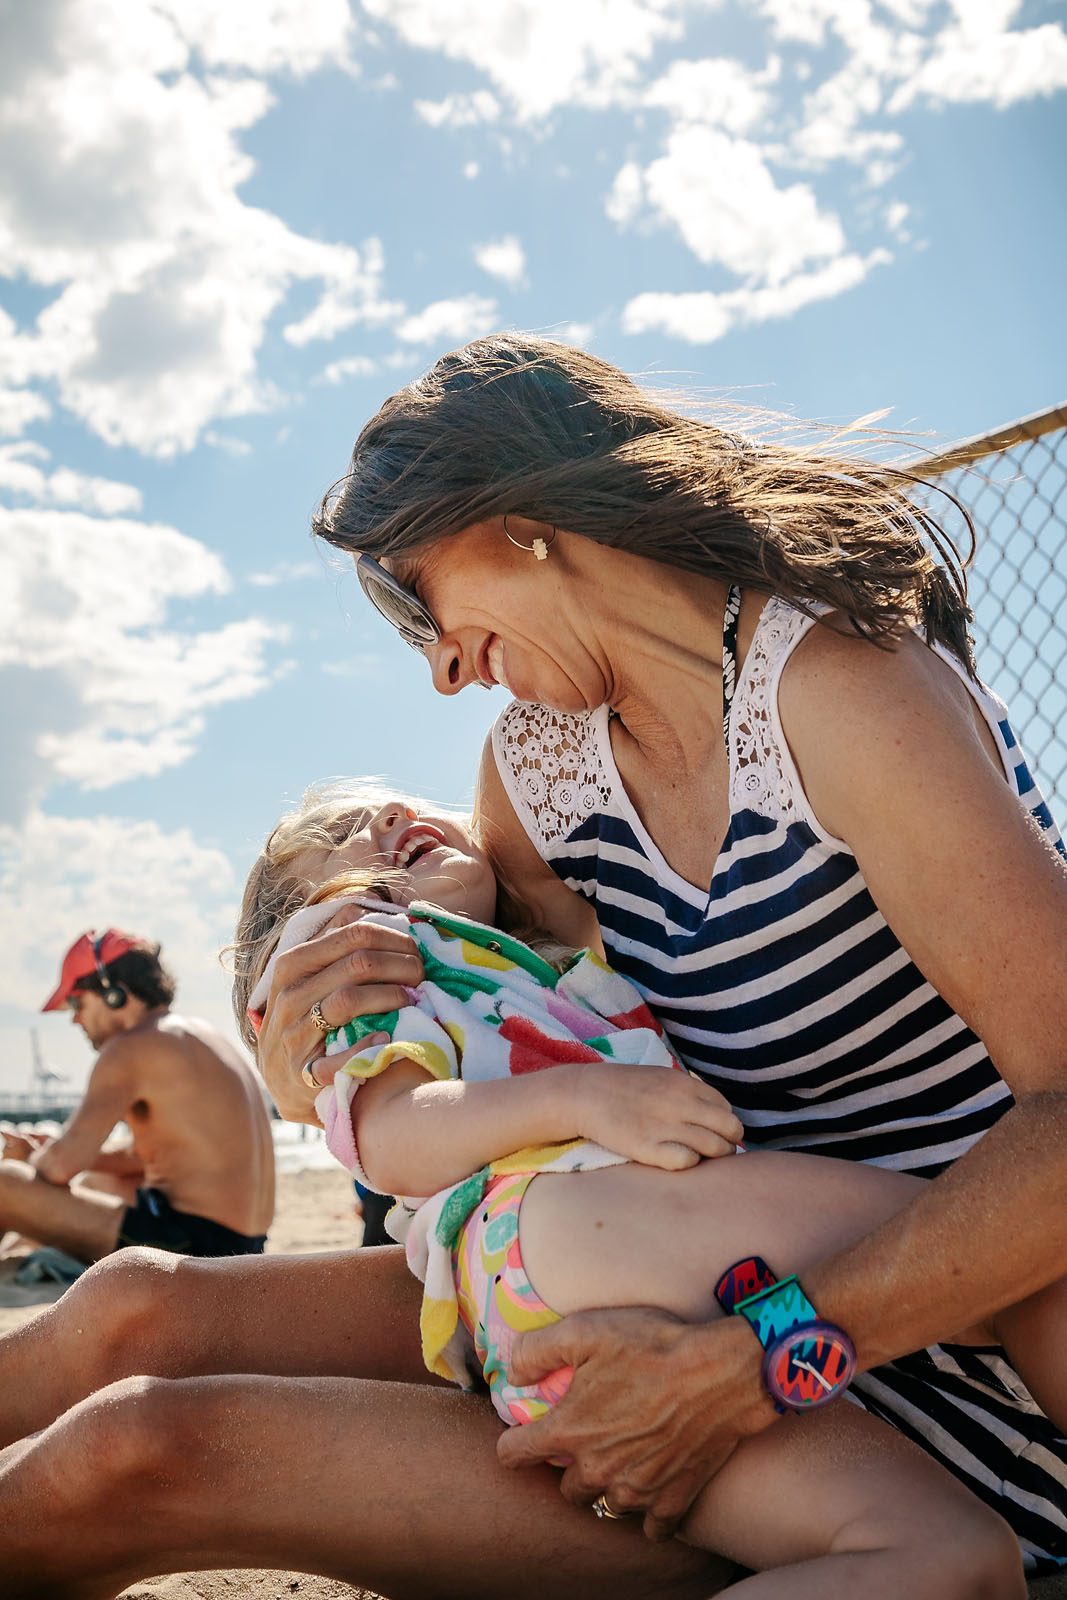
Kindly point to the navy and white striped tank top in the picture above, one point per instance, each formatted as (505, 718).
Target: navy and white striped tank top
(784, 986)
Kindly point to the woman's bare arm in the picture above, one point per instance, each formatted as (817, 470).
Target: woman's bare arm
(978, 898)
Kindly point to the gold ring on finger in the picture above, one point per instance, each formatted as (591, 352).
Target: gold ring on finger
(318, 1019)
(307, 1073)
(602, 1509)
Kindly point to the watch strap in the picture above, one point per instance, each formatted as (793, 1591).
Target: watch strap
(776, 1310)
(741, 1281)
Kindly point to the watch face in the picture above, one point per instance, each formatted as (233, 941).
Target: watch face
(809, 1365)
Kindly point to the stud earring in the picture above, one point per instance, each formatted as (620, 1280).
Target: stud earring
(540, 547)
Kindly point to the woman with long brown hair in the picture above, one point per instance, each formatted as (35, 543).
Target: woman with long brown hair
(750, 750)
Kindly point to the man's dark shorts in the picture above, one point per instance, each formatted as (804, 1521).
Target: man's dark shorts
(154, 1221)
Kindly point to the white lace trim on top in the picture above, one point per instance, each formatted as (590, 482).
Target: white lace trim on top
(762, 775)
(551, 767)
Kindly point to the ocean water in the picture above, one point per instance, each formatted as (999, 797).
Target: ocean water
(297, 1146)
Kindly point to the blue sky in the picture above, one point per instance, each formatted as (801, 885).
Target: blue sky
(228, 231)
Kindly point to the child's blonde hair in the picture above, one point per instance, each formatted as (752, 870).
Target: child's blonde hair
(328, 817)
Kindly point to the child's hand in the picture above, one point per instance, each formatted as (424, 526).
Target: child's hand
(656, 1116)
(16, 1146)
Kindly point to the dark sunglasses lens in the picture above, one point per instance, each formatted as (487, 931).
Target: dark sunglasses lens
(397, 605)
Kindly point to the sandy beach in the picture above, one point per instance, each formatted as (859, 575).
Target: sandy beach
(315, 1212)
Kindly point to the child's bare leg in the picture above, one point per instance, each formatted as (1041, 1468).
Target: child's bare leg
(392, 1486)
(836, 1504)
(639, 1235)
(144, 1311)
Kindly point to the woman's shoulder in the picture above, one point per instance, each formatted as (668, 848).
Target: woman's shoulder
(816, 702)
(866, 721)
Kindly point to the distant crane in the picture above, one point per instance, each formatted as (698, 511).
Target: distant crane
(43, 1075)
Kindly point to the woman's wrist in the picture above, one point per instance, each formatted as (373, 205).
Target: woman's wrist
(729, 1355)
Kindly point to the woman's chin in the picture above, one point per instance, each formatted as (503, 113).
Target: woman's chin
(564, 697)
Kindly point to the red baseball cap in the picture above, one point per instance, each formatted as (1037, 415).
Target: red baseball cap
(85, 956)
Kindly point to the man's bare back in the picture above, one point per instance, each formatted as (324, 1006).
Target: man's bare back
(202, 1157)
(198, 1119)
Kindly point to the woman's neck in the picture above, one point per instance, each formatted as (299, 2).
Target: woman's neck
(664, 641)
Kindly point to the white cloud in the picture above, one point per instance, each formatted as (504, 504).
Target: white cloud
(461, 319)
(719, 193)
(977, 62)
(800, 21)
(579, 333)
(459, 110)
(20, 407)
(285, 572)
(20, 475)
(832, 114)
(60, 875)
(297, 36)
(502, 258)
(228, 443)
(626, 195)
(716, 91)
(348, 367)
(699, 317)
(121, 192)
(897, 213)
(887, 68)
(106, 690)
(351, 295)
(540, 54)
(703, 317)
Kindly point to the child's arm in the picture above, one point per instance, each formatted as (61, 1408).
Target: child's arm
(416, 1135)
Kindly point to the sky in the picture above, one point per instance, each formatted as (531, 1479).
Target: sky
(228, 232)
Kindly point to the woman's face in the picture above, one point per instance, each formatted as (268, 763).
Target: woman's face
(434, 851)
(505, 617)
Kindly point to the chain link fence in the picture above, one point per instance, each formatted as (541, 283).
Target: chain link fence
(1013, 482)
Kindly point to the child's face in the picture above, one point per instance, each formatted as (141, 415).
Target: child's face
(440, 861)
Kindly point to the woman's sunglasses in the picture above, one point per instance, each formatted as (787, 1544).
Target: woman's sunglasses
(414, 622)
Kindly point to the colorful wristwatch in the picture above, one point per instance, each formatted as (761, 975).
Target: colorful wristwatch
(807, 1361)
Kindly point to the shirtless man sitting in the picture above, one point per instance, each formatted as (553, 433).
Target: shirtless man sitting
(201, 1152)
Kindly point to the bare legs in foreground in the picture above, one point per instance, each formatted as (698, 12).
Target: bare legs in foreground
(392, 1485)
(396, 1484)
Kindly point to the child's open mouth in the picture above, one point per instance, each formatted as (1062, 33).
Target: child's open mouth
(418, 842)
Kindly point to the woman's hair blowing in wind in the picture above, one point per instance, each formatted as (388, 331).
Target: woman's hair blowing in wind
(518, 424)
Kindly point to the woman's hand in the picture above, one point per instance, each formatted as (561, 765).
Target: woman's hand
(352, 969)
(656, 1116)
(655, 1408)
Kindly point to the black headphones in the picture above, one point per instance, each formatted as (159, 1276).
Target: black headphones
(113, 996)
